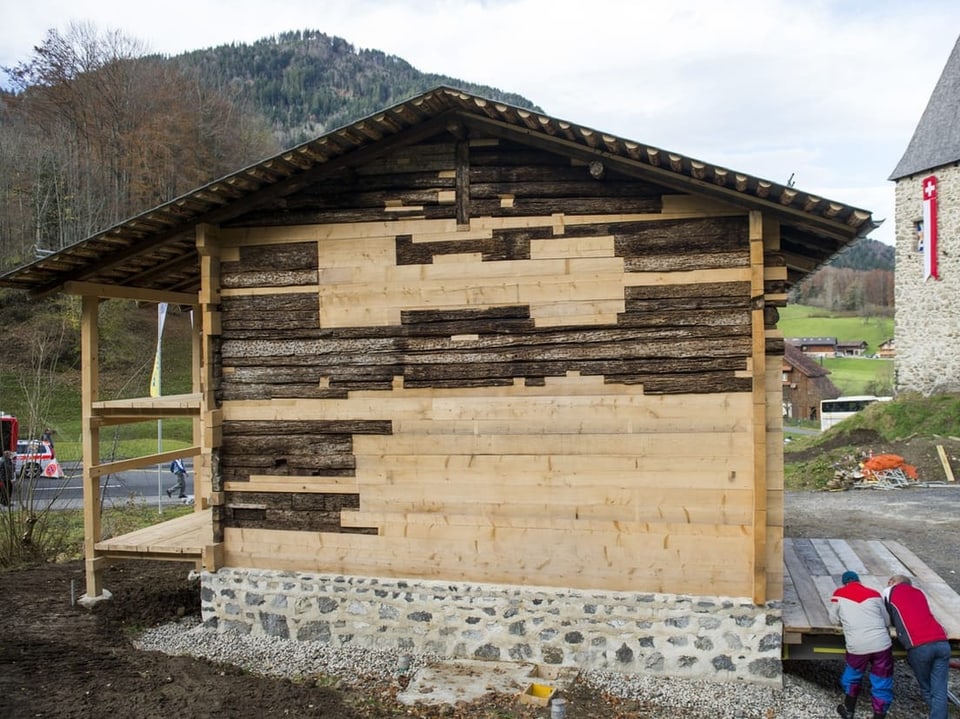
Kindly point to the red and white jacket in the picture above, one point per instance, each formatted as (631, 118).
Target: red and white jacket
(859, 610)
(911, 616)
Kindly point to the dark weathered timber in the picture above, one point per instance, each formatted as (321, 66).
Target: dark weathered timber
(279, 217)
(286, 302)
(581, 187)
(681, 384)
(239, 467)
(670, 293)
(774, 346)
(445, 317)
(463, 183)
(567, 205)
(684, 263)
(502, 246)
(307, 428)
(235, 391)
(606, 368)
(277, 444)
(281, 258)
(297, 511)
(272, 325)
(241, 472)
(507, 154)
(689, 236)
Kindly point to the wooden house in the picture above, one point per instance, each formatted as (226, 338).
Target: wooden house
(888, 349)
(852, 348)
(815, 346)
(520, 374)
(805, 383)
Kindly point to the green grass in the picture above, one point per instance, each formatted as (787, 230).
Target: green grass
(802, 321)
(907, 416)
(851, 375)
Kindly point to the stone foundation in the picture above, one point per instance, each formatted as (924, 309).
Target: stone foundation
(635, 633)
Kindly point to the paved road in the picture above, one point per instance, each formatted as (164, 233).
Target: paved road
(139, 485)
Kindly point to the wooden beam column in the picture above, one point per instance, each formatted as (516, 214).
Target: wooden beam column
(463, 184)
(759, 388)
(201, 480)
(89, 392)
(211, 417)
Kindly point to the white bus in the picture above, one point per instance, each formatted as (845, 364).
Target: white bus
(837, 410)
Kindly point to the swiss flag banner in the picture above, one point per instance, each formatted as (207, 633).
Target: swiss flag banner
(930, 228)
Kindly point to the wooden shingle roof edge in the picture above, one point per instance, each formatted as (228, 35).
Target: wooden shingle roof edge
(155, 250)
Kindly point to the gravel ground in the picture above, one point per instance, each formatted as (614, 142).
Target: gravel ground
(924, 518)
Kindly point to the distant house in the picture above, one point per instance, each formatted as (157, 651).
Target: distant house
(887, 349)
(815, 346)
(805, 383)
(855, 348)
(927, 319)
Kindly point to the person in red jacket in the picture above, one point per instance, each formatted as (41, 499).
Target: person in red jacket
(859, 610)
(928, 651)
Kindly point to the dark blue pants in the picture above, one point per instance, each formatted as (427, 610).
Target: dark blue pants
(931, 665)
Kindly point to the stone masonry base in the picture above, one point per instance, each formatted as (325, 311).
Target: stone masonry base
(627, 632)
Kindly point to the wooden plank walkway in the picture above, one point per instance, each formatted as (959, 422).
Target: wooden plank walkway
(181, 539)
(812, 572)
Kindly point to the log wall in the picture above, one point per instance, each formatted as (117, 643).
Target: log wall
(560, 391)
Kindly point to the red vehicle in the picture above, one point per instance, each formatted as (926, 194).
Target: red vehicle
(9, 432)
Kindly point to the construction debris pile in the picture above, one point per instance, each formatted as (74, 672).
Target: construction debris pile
(881, 471)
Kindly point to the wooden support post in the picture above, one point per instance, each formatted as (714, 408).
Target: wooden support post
(90, 373)
(201, 479)
(759, 410)
(463, 184)
(207, 430)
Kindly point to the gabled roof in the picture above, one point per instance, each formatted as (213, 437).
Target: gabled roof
(802, 362)
(936, 141)
(156, 250)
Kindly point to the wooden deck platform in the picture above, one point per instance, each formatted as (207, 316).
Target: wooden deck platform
(812, 569)
(183, 539)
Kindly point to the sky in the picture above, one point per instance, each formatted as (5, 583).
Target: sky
(825, 94)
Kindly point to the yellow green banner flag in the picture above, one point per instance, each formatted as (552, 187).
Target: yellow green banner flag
(155, 377)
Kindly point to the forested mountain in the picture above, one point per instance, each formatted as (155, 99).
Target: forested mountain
(859, 280)
(866, 254)
(97, 130)
(305, 83)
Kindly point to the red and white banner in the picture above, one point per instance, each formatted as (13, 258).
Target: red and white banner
(930, 228)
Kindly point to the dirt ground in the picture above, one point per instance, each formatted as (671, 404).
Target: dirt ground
(59, 660)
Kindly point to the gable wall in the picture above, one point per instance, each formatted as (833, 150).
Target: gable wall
(927, 321)
(559, 393)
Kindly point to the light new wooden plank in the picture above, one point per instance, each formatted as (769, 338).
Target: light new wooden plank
(568, 565)
(717, 447)
(383, 471)
(377, 467)
(439, 522)
(680, 505)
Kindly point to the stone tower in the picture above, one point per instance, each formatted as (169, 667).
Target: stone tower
(927, 325)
